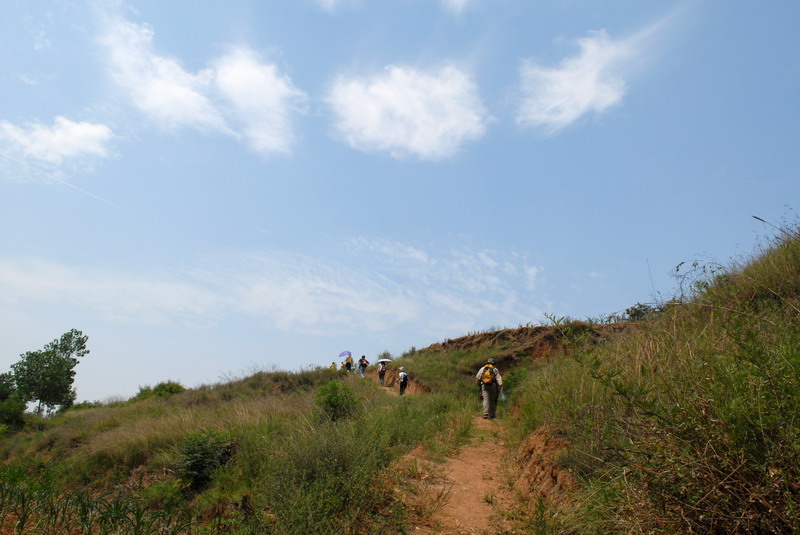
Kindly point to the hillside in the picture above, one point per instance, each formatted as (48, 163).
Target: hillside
(683, 422)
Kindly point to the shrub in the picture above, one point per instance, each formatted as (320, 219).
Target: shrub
(164, 389)
(337, 400)
(11, 406)
(201, 454)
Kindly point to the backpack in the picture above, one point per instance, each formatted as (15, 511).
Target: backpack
(489, 373)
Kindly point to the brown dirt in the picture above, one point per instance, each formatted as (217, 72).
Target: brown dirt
(537, 472)
(464, 494)
(485, 488)
(525, 343)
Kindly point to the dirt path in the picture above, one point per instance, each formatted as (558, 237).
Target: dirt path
(471, 487)
(480, 489)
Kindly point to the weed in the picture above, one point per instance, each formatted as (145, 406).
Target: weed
(337, 400)
(201, 454)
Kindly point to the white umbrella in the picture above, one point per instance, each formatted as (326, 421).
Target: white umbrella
(384, 360)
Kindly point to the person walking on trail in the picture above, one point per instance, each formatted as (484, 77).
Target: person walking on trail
(348, 363)
(491, 384)
(403, 381)
(362, 365)
(381, 372)
(333, 366)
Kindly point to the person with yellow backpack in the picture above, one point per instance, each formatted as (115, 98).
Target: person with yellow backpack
(491, 384)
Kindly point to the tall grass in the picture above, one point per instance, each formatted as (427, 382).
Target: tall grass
(692, 424)
(253, 456)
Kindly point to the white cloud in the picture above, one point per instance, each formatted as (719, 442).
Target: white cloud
(240, 96)
(329, 5)
(458, 6)
(591, 81)
(262, 99)
(404, 112)
(158, 85)
(118, 295)
(532, 273)
(50, 153)
(376, 290)
(63, 140)
(392, 249)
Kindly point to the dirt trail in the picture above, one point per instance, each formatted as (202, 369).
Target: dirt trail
(471, 487)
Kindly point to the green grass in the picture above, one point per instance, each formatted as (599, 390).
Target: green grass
(692, 422)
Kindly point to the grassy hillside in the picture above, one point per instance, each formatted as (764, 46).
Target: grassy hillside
(685, 422)
(688, 423)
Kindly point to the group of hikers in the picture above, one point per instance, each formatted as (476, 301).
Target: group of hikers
(347, 365)
(488, 379)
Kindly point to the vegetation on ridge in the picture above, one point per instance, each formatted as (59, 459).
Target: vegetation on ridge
(689, 424)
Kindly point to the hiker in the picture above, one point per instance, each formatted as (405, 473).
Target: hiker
(348, 363)
(381, 372)
(333, 366)
(362, 365)
(403, 380)
(491, 384)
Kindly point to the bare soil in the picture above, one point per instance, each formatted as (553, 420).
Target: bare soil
(486, 488)
(477, 492)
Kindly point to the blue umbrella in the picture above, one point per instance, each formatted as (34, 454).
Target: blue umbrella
(344, 354)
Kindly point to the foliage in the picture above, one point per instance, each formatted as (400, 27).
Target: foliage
(161, 390)
(201, 454)
(643, 312)
(47, 375)
(385, 354)
(11, 406)
(337, 400)
(37, 506)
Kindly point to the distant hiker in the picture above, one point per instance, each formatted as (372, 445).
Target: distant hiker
(381, 372)
(403, 380)
(362, 365)
(342, 368)
(348, 363)
(491, 384)
(333, 366)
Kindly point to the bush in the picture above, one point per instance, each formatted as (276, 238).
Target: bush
(201, 454)
(337, 400)
(11, 411)
(161, 390)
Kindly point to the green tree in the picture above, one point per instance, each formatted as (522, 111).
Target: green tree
(47, 375)
(11, 406)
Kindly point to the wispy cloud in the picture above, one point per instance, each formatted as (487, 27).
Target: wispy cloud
(590, 82)
(407, 112)
(239, 95)
(261, 98)
(35, 151)
(457, 6)
(118, 295)
(329, 5)
(158, 85)
(386, 285)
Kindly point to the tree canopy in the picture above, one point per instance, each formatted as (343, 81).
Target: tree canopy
(47, 375)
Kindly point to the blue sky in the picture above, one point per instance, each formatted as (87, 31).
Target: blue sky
(208, 188)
